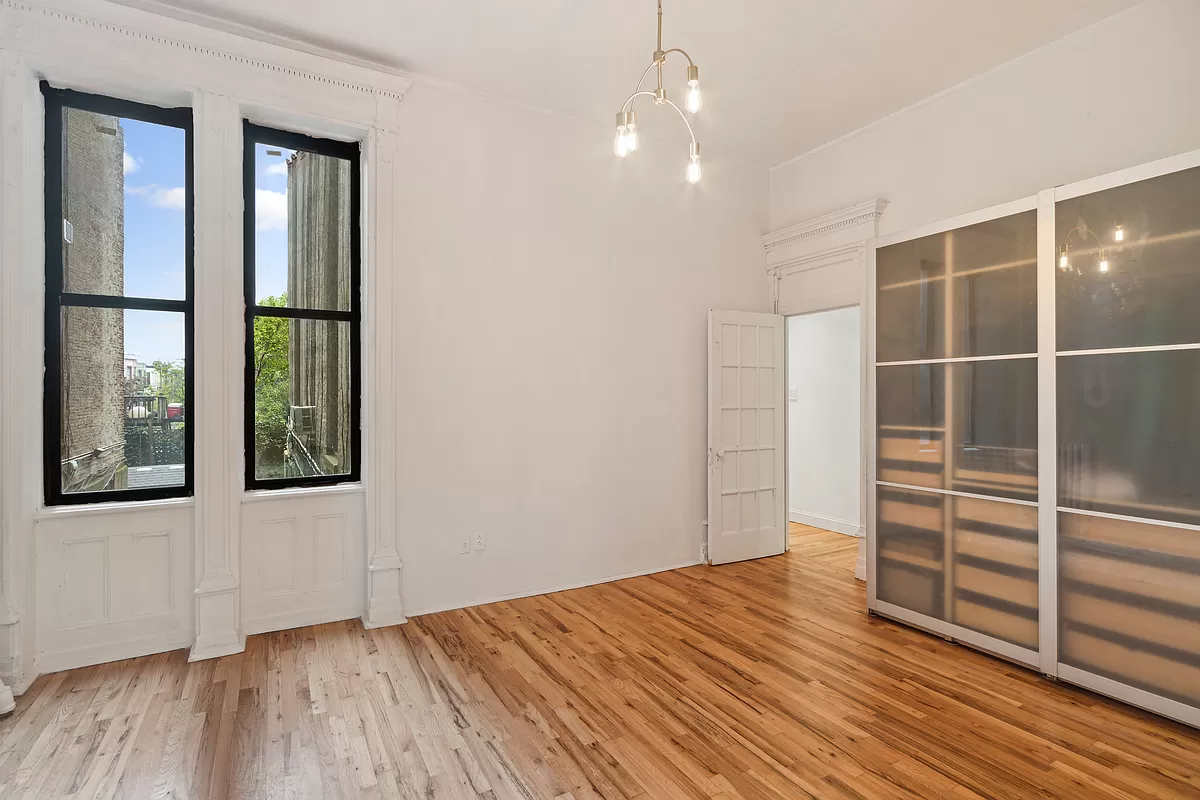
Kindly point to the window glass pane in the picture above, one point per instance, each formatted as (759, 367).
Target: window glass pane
(1131, 277)
(1129, 601)
(1129, 432)
(122, 401)
(123, 193)
(302, 398)
(992, 272)
(993, 426)
(302, 256)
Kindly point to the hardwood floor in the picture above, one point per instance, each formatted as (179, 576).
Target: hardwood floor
(758, 680)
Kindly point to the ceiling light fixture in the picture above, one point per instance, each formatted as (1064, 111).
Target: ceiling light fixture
(626, 141)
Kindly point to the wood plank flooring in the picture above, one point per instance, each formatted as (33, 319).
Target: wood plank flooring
(757, 680)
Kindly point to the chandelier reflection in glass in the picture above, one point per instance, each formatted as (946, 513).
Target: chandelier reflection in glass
(627, 130)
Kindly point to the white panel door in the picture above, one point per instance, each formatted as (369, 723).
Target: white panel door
(747, 388)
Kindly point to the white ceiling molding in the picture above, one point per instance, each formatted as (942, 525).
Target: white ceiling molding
(862, 213)
(29, 22)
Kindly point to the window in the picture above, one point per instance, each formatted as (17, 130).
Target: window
(302, 309)
(119, 232)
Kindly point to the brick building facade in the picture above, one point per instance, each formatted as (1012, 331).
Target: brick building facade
(93, 339)
(319, 260)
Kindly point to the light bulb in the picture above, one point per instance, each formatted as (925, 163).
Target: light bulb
(694, 100)
(631, 137)
(1119, 234)
(621, 145)
(1063, 261)
(1103, 264)
(693, 170)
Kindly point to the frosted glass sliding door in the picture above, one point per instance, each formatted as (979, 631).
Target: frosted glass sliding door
(957, 413)
(1128, 421)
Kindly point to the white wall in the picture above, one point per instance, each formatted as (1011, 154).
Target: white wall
(1113, 95)
(534, 354)
(551, 361)
(824, 377)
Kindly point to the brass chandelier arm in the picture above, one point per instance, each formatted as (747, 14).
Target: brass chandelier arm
(682, 52)
(660, 59)
(641, 80)
(628, 100)
(682, 116)
(668, 101)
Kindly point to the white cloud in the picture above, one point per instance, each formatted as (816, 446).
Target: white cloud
(270, 210)
(278, 168)
(160, 197)
(131, 164)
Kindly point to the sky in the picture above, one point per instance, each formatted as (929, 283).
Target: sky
(154, 233)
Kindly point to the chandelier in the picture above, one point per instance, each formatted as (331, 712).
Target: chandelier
(627, 130)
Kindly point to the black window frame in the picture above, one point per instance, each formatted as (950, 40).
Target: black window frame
(253, 134)
(55, 101)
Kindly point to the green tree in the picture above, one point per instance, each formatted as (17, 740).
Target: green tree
(271, 389)
(170, 375)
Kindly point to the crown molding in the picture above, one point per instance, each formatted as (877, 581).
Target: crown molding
(194, 39)
(866, 212)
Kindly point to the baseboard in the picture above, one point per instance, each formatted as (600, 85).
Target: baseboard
(59, 660)
(560, 588)
(298, 619)
(384, 615)
(207, 647)
(16, 679)
(824, 523)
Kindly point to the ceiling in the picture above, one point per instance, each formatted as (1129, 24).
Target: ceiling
(780, 77)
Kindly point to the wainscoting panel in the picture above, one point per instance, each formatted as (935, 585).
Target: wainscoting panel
(303, 559)
(112, 585)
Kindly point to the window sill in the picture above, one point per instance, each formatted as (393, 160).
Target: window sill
(298, 492)
(122, 507)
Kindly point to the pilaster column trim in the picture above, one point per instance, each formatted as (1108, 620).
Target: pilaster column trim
(384, 566)
(218, 370)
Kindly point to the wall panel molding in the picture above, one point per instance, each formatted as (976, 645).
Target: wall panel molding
(116, 587)
(303, 560)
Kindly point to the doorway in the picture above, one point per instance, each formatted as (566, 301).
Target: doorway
(824, 423)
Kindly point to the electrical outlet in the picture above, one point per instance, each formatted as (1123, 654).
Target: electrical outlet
(464, 546)
(480, 541)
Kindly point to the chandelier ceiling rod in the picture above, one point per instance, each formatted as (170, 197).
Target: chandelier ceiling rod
(627, 140)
